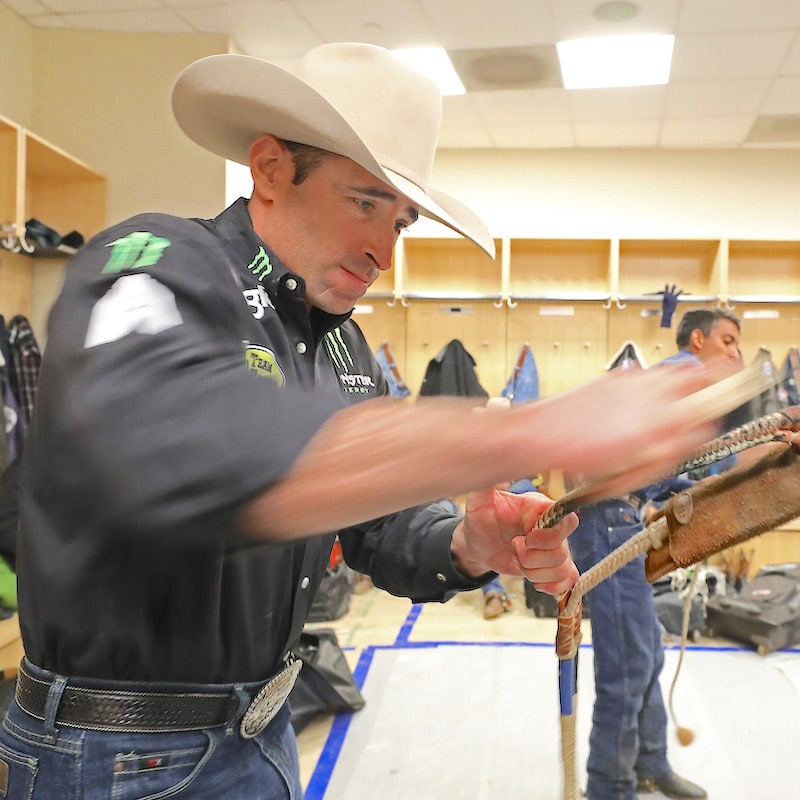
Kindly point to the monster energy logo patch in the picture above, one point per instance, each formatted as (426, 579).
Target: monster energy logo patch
(339, 354)
(138, 249)
(260, 265)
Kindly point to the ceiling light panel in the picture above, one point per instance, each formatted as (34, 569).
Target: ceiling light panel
(611, 61)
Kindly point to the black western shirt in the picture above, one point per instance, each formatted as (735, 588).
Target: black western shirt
(182, 376)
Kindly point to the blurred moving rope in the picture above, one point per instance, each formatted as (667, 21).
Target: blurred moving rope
(779, 427)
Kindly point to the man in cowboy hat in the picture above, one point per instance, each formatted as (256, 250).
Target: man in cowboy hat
(200, 376)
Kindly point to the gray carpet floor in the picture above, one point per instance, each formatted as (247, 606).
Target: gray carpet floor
(481, 722)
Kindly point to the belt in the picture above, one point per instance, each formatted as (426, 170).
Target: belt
(154, 711)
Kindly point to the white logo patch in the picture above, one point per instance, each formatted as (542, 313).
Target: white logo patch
(134, 304)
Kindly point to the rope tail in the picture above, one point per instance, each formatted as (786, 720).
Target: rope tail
(685, 735)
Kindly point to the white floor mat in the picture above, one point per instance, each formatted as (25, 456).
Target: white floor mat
(481, 722)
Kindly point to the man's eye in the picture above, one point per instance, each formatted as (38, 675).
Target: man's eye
(364, 205)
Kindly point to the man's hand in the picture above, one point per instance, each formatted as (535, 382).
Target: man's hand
(498, 534)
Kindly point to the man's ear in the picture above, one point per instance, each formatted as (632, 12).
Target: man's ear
(696, 339)
(271, 166)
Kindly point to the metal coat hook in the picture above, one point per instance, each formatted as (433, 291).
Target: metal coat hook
(28, 248)
(614, 301)
(8, 239)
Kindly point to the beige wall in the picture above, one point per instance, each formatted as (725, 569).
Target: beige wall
(736, 194)
(105, 99)
(16, 68)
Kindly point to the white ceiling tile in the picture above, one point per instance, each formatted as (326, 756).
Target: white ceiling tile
(195, 3)
(206, 19)
(522, 106)
(460, 111)
(634, 133)
(544, 135)
(739, 15)
(486, 23)
(705, 131)
(715, 98)
(791, 66)
(729, 55)
(783, 97)
(144, 21)
(464, 137)
(50, 21)
(636, 102)
(79, 6)
(574, 19)
(26, 7)
(271, 30)
(389, 23)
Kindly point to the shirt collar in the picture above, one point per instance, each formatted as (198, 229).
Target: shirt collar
(236, 229)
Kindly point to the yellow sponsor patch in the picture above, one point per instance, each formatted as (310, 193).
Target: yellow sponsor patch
(261, 361)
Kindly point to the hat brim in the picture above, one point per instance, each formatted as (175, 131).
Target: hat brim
(225, 102)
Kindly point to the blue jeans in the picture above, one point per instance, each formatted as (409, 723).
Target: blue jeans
(494, 585)
(64, 763)
(629, 723)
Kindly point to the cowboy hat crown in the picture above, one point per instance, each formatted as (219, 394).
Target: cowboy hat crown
(355, 100)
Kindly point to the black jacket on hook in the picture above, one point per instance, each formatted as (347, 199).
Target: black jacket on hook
(452, 372)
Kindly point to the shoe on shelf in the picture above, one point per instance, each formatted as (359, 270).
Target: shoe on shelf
(495, 604)
(672, 785)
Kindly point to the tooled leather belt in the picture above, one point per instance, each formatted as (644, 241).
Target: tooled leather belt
(107, 709)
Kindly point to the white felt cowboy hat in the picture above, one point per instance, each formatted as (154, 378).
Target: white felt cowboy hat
(357, 100)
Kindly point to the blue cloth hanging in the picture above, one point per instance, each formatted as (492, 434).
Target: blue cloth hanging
(523, 385)
(397, 386)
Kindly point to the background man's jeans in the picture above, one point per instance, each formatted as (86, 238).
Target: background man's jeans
(75, 764)
(629, 722)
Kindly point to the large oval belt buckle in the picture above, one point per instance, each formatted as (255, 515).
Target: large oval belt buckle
(266, 704)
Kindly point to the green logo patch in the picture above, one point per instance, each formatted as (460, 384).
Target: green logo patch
(138, 249)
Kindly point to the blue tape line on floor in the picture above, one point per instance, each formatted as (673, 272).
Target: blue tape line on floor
(408, 625)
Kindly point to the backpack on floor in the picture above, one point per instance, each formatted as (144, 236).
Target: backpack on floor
(325, 682)
(765, 613)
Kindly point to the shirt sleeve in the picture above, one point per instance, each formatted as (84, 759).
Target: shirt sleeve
(408, 554)
(146, 407)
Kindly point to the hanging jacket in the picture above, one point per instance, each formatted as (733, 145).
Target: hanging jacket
(790, 376)
(452, 372)
(385, 359)
(523, 385)
(628, 355)
(769, 401)
(25, 363)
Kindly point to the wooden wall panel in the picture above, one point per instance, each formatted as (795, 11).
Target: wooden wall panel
(568, 341)
(16, 284)
(384, 323)
(776, 334)
(480, 326)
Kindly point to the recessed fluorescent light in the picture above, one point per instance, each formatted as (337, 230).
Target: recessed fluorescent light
(435, 63)
(610, 61)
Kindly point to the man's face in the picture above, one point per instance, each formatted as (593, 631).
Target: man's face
(337, 230)
(721, 343)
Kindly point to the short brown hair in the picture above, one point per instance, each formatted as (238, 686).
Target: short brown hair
(306, 159)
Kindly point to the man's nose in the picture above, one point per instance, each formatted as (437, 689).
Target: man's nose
(381, 249)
